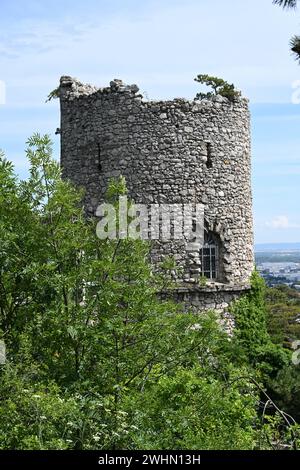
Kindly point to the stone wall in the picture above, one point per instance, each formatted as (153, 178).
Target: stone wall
(217, 298)
(176, 151)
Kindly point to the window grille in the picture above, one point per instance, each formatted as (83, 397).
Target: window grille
(209, 256)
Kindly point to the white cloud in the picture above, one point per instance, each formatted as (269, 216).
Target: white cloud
(39, 36)
(282, 222)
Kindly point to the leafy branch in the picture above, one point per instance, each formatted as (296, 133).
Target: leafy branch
(53, 95)
(295, 41)
(219, 87)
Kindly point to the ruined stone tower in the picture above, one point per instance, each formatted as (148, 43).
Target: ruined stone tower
(171, 152)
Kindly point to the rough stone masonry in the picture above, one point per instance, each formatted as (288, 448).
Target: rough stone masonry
(175, 152)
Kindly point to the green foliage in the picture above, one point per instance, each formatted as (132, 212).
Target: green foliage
(265, 320)
(283, 309)
(295, 46)
(33, 416)
(38, 416)
(203, 281)
(251, 333)
(250, 317)
(54, 94)
(285, 389)
(192, 409)
(95, 360)
(219, 86)
(286, 3)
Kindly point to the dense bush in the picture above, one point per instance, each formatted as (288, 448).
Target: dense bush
(266, 327)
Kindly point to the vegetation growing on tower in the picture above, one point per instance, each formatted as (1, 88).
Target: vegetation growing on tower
(219, 86)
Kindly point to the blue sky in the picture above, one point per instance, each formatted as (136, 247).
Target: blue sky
(161, 46)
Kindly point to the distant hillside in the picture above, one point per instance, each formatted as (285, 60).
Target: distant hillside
(276, 247)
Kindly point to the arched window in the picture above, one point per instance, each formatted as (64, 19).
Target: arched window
(210, 256)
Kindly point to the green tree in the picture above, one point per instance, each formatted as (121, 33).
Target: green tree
(283, 309)
(264, 330)
(295, 41)
(219, 86)
(194, 409)
(251, 333)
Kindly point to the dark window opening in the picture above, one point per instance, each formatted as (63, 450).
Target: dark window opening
(210, 257)
(209, 162)
(99, 157)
